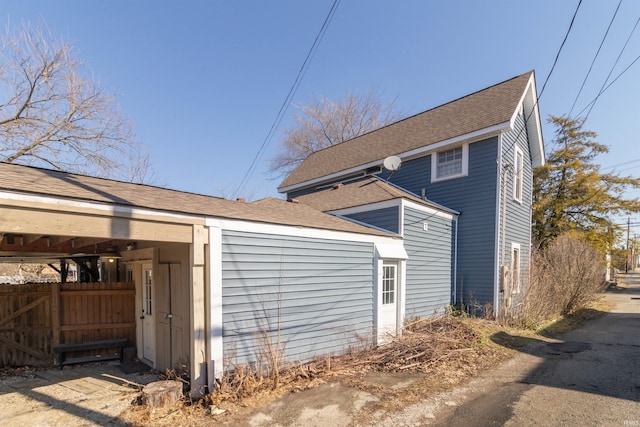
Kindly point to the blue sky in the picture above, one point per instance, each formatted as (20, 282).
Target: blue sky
(203, 80)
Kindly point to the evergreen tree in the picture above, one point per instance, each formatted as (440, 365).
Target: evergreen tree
(571, 194)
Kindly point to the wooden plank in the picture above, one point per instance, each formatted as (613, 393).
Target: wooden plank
(23, 310)
(55, 313)
(98, 292)
(97, 326)
(24, 349)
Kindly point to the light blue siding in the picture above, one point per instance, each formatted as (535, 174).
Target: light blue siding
(318, 293)
(475, 197)
(428, 275)
(518, 218)
(387, 218)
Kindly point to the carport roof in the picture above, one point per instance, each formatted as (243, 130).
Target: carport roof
(48, 183)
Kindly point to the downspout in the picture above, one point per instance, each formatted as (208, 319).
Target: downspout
(498, 226)
(455, 264)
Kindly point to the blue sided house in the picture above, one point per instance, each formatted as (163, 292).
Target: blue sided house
(461, 196)
(392, 225)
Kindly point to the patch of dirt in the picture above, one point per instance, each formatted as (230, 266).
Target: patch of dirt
(432, 356)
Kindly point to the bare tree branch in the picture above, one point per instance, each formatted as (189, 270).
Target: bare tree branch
(324, 123)
(55, 115)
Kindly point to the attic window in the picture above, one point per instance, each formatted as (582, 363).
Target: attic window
(450, 163)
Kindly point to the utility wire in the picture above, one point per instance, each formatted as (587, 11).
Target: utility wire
(595, 57)
(610, 84)
(288, 98)
(612, 68)
(555, 61)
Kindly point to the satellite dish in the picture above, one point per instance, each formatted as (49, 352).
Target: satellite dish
(392, 163)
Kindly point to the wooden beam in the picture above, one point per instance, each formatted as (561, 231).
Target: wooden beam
(57, 240)
(30, 238)
(25, 221)
(87, 292)
(89, 327)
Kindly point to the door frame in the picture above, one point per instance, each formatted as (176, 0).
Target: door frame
(137, 269)
(381, 330)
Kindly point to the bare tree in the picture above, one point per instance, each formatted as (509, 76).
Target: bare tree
(324, 123)
(53, 114)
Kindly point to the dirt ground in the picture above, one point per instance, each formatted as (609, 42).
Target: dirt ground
(89, 395)
(356, 394)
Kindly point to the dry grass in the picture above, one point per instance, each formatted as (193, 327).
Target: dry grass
(442, 353)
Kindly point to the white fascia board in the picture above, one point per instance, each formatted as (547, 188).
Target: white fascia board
(103, 207)
(407, 154)
(295, 231)
(529, 104)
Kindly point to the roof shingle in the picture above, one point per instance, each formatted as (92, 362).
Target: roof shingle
(481, 110)
(44, 182)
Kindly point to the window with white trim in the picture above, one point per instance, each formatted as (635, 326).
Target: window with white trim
(450, 163)
(518, 162)
(515, 268)
(389, 277)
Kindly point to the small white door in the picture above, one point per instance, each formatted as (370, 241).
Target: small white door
(388, 309)
(148, 312)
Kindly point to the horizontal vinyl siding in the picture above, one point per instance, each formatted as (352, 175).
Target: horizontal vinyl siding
(428, 275)
(387, 219)
(474, 196)
(518, 219)
(317, 293)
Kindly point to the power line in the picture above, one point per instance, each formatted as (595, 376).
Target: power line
(610, 84)
(613, 67)
(288, 98)
(596, 56)
(555, 61)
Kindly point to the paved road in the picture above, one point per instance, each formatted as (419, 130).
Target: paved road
(590, 378)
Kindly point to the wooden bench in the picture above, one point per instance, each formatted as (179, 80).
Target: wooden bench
(63, 349)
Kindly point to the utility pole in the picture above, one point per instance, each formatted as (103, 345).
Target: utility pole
(626, 268)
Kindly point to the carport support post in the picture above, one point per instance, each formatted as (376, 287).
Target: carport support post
(198, 357)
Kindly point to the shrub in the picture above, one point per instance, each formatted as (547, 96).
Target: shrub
(565, 276)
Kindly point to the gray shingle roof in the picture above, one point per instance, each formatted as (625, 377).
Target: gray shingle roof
(44, 182)
(360, 192)
(481, 110)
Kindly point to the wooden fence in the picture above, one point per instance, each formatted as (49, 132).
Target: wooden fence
(34, 318)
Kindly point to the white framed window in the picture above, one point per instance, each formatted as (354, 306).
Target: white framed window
(450, 163)
(389, 279)
(518, 163)
(515, 268)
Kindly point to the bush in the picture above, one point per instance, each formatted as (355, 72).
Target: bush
(565, 276)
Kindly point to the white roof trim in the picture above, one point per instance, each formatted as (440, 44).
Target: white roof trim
(532, 114)
(293, 230)
(391, 251)
(422, 150)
